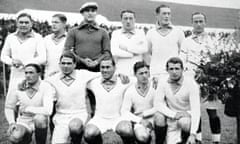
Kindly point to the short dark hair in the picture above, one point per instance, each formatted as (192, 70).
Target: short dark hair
(25, 15)
(158, 9)
(61, 17)
(109, 58)
(69, 54)
(174, 60)
(199, 13)
(36, 67)
(127, 11)
(138, 65)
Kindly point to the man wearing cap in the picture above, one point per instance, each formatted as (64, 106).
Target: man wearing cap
(89, 42)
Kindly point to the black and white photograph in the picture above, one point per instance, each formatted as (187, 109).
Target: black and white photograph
(119, 72)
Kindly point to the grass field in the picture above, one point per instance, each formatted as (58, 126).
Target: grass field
(228, 127)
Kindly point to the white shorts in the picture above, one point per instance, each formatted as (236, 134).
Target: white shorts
(105, 124)
(61, 130)
(26, 121)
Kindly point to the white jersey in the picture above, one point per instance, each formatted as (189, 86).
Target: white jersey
(71, 98)
(108, 103)
(54, 50)
(163, 47)
(140, 104)
(196, 49)
(135, 44)
(30, 50)
(186, 99)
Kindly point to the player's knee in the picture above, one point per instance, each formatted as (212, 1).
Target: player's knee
(142, 134)
(184, 123)
(41, 121)
(125, 129)
(91, 132)
(159, 120)
(20, 135)
(75, 126)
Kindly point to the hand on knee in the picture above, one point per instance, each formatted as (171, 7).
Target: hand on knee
(75, 126)
(159, 120)
(41, 121)
(91, 132)
(20, 134)
(125, 129)
(142, 134)
(185, 123)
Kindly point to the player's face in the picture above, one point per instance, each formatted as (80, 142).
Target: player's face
(175, 71)
(89, 14)
(107, 69)
(31, 75)
(24, 24)
(57, 24)
(128, 21)
(198, 23)
(67, 65)
(142, 75)
(164, 16)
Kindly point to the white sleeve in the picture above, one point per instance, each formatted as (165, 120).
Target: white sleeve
(9, 113)
(6, 55)
(195, 106)
(88, 75)
(140, 45)
(10, 105)
(115, 50)
(160, 103)
(48, 99)
(149, 112)
(147, 56)
(184, 52)
(127, 105)
(181, 38)
(41, 54)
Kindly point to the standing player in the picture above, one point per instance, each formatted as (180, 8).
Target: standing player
(54, 44)
(164, 41)
(128, 44)
(88, 41)
(195, 49)
(20, 48)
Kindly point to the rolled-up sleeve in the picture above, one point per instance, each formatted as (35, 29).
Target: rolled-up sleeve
(195, 111)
